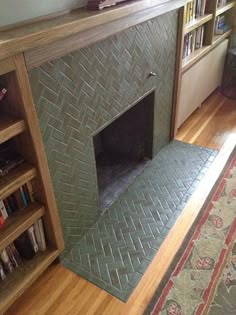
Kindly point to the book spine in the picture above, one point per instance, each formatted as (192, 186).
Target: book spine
(2, 272)
(3, 210)
(7, 206)
(24, 198)
(39, 233)
(30, 191)
(11, 256)
(32, 238)
(15, 253)
(6, 261)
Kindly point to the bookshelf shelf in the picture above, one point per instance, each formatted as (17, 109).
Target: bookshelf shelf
(15, 179)
(19, 222)
(10, 127)
(200, 53)
(219, 38)
(225, 8)
(197, 22)
(194, 57)
(23, 276)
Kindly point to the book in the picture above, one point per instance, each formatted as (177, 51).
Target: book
(7, 206)
(39, 233)
(2, 220)
(32, 238)
(2, 272)
(30, 191)
(3, 210)
(15, 253)
(11, 257)
(7, 264)
(3, 214)
(8, 159)
(19, 199)
(203, 7)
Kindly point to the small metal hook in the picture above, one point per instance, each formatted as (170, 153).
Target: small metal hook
(152, 74)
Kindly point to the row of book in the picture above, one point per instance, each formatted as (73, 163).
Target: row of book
(221, 3)
(194, 9)
(220, 26)
(24, 247)
(20, 199)
(193, 41)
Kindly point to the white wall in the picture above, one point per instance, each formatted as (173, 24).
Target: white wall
(12, 11)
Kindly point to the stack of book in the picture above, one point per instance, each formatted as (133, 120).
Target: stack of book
(221, 3)
(24, 247)
(193, 41)
(220, 26)
(194, 9)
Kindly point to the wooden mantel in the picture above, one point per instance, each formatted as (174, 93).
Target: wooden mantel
(41, 38)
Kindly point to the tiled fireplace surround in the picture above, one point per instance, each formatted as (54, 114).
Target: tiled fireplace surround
(79, 94)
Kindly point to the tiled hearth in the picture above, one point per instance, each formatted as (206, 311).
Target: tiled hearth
(117, 250)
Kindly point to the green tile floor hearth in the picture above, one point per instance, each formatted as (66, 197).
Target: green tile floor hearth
(116, 251)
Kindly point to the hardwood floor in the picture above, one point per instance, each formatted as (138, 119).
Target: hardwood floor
(61, 292)
(210, 125)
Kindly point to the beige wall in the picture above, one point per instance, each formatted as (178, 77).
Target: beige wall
(12, 11)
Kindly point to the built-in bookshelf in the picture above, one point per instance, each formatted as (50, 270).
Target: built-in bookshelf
(201, 23)
(203, 26)
(28, 208)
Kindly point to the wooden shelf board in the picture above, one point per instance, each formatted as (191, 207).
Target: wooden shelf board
(19, 222)
(10, 127)
(23, 276)
(219, 38)
(194, 57)
(197, 22)
(15, 179)
(225, 8)
(189, 61)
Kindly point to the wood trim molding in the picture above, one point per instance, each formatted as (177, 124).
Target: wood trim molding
(39, 55)
(40, 33)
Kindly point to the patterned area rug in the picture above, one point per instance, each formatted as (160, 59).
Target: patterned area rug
(204, 279)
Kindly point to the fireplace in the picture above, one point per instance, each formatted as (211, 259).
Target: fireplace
(80, 99)
(122, 149)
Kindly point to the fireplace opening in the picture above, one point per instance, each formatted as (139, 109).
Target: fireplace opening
(122, 150)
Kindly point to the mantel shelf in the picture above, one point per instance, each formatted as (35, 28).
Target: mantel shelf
(44, 31)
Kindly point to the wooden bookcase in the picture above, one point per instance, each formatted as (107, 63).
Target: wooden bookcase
(210, 42)
(19, 126)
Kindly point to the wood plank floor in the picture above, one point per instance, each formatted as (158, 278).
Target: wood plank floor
(61, 292)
